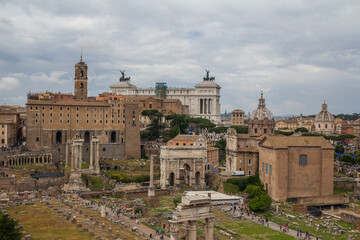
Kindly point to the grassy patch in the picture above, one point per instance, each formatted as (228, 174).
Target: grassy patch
(98, 183)
(84, 165)
(255, 231)
(40, 223)
(338, 191)
(230, 188)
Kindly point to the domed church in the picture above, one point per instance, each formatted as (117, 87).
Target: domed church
(261, 120)
(324, 121)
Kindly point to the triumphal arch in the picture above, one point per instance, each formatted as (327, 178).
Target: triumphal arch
(183, 164)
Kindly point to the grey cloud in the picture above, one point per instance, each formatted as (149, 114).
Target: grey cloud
(298, 52)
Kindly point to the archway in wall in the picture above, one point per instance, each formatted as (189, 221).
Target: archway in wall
(116, 168)
(87, 137)
(187, 170)
(197, 178)
(172, 179)
(58, 137)
(113, 137)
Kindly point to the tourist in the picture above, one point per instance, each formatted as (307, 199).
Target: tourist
(150, 236)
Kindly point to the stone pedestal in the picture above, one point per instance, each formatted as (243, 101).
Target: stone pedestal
(102, 211)
(75, 183)
(26, 195)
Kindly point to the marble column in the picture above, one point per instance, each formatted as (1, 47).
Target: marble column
(80, 156)
(151, 191)
(192, 230)
(97, 157)
(174, 230)
(67, 153)
(209, 235)
(72, 157)
(91, 164)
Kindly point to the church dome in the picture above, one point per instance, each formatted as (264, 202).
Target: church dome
(261, 112)
(324, 115)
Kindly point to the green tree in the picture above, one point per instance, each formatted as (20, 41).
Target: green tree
(155, 125)
(301, 129)
(253, 190)
(347, 159)
(180, 120)
(241, 129)
(357, 157)
(174, 131)
(339, 149)
(221, 144)
(8, 230)
(261, 202)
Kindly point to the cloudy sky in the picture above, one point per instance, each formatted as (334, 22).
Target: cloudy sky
(299, 53)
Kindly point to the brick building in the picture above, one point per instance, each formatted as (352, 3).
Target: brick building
(237, 117)
(11, 124)
(242, 152)
(296, 167)
(56, 119)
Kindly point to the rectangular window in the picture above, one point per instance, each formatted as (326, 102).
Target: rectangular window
(50, 120)
(87, 109)
(101, 109)
(68, 109)
(87, 121)
(270, 169)
(87, 115)
(77, 109)
(95, 121)
(77, 121)
(2, 125)
(50, 114)
(263, 169)
(60, 121)
(249, 162)
(43, 108)
(60, 108)
(267, 168)
(303, 159)
(36, 108)
(50, 108)
(60, 114)
(95, 115)
(77, 115)
(107, 109)
(94, 109)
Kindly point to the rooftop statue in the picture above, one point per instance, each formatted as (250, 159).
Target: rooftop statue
(207, 78)
(123, 78)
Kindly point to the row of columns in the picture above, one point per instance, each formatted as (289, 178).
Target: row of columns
(206, 105)
(73, 154)
(26, 159)
(209, 229)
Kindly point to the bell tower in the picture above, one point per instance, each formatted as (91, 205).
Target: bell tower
(81, 80)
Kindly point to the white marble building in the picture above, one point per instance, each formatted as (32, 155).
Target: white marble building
(201, 101)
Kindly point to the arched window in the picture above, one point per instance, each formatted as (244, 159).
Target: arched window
(265, 130)
(81, 73)
(58, 137)
(81, 85)
(87, 137)
(113, 137)
(172, 179)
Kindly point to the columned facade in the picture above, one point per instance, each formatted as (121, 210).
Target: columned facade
(202, 101)
(27, 159)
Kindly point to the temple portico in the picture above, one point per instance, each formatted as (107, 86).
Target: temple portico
(29, 158)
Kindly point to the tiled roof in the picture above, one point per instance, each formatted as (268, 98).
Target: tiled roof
(292, 141)
(181, 137)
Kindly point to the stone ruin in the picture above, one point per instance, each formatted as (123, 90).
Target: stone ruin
(191, 209)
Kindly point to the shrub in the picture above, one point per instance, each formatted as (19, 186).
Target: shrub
(8, 229)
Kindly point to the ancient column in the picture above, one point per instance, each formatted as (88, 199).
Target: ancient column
(72, 157)
(192, 230)
(39, 194)
(151, 191)
(174, 230)
(67, 153)
(97, 157)
(91, 155)
(43, 159)
(26, 195)
(80, 154)
(102, 211)
(209, 235)
(11, 196)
